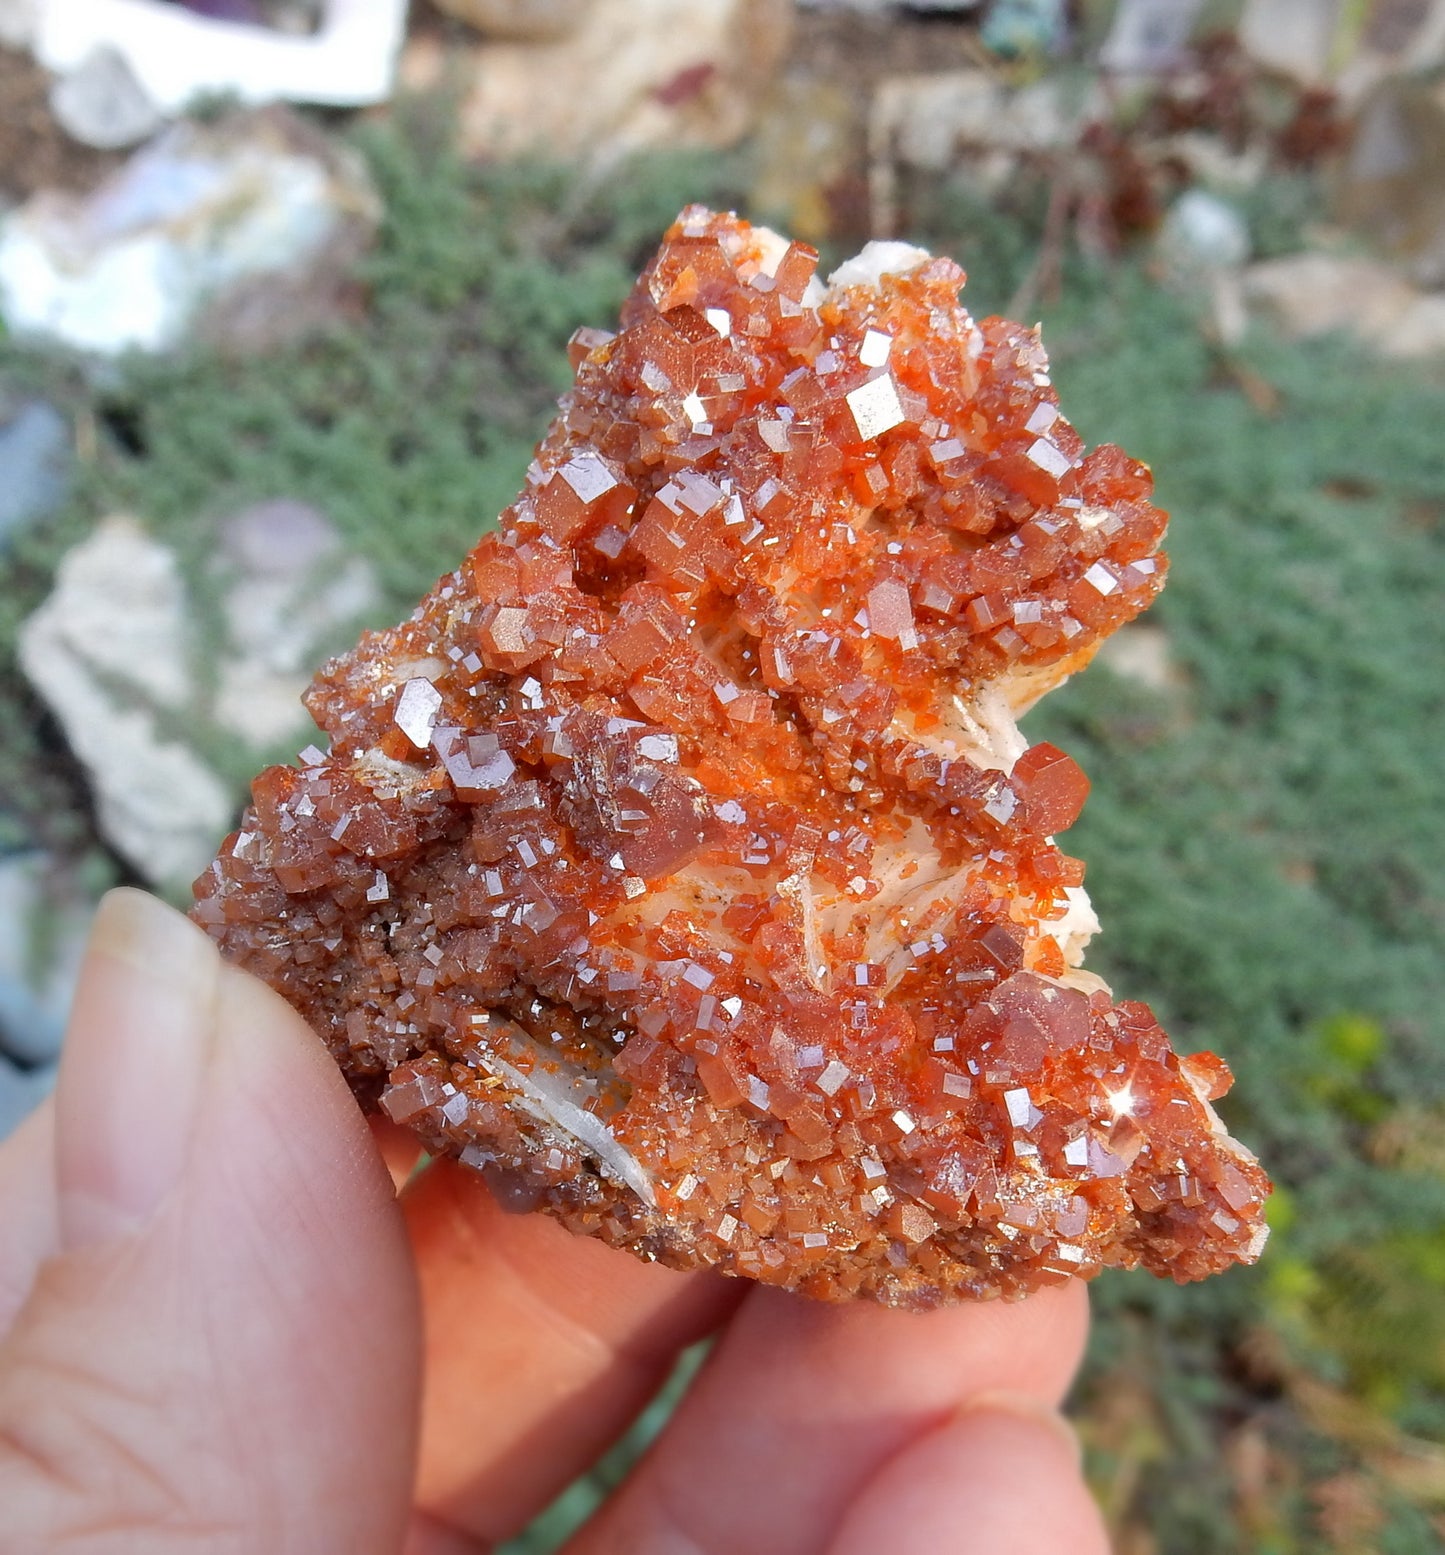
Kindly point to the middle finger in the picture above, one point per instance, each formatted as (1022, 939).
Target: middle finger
(541, 1347)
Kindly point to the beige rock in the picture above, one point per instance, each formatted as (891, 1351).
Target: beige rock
(931, 117)
(1314, 294)
(1307, 295)
(526, 19)
(115, 653)
(291, 593)
(424, 64)
(1418, 332)
(929, 122)
(1348, 46)
(928, 117)
(1389, 188)
(101, 104)
(1295, 37)
(110, 652)
(18, 19)
(634, 74)
(1140, 653)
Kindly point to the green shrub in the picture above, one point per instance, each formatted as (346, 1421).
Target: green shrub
(1265, 843)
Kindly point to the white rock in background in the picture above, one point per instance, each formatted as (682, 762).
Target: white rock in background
(110, 652)
(100, 103)
(1140, 652)
(18, 21)
(177, 56)
(1418, 333)
(1312, 294)
(1202, 233)
(1306, 295)
(290, 588)
(1295, 37)
(1202, 247)
(240, 230)
(926, 121)
(634, 74)
(967, 120)
(114, 653)
(927, 118)
(1348, 46)
(1147, 37)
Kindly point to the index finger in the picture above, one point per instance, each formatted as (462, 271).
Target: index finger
(541, 1347)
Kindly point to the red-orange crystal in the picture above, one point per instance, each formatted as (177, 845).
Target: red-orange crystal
(679, 864)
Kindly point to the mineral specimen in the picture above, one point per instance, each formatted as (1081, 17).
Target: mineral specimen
(680, 865)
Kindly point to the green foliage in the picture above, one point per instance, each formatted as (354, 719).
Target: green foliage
(1380, 1306)
(1278, 209)
(1265, 841)
(409, 424)
(1265, 845)
(994, 240)
(578, 1502)
(1344, 1050)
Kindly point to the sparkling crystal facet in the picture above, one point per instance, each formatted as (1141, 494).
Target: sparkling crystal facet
(679, 864)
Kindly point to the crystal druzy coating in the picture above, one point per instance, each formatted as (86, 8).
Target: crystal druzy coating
(679, 863)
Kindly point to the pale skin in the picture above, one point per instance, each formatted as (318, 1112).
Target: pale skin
(221, 1329)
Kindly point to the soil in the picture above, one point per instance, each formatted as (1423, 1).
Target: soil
(35, 153)
(857, 50)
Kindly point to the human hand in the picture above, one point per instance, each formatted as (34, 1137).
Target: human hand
(212, 1336)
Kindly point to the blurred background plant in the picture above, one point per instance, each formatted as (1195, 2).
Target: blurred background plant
(217, 460)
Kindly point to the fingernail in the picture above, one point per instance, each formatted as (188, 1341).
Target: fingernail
(133, 1067)
(1022, 1406)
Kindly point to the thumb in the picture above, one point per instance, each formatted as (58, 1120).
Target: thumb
(221, 1355)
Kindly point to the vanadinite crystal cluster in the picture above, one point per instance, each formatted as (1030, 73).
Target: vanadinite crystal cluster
(679, 864)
